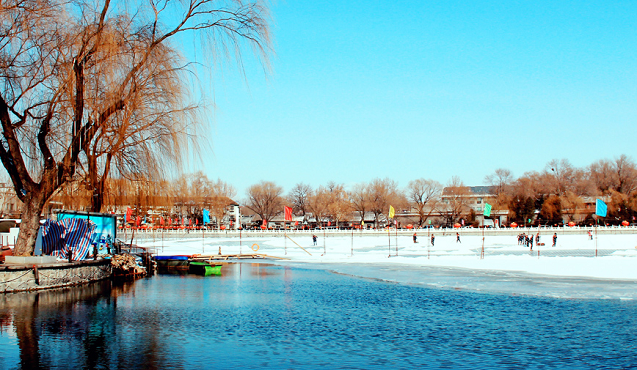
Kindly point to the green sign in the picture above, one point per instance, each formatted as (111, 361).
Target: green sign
(487, 209)
(429, 222)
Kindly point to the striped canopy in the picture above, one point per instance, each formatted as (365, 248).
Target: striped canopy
(69, 235)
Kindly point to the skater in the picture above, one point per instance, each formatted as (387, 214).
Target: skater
(554, 239)
(537, 239)
(415, 238)
(458, 238)
(590, 235)
(314, 239)
(432, 240)
(531, 242)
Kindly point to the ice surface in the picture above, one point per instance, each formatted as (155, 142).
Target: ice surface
(569, 270)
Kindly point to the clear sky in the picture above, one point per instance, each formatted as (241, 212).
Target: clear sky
(433, 89)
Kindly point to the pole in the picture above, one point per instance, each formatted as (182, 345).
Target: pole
(240, 230)
(482, 253)
(396, 236)
(352, 243)
(389, 243)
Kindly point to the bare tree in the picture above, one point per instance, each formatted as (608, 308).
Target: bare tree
(424, 195)
(265, 200)
(499, 180)
(298, 197)
(339, 206)
(60, 94)
(382, 194)
(456, 200)
(221, 198)
(318, 203)
(359, 197)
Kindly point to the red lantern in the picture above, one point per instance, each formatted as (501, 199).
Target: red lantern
(625, 223)
(410, 226)
(571, 223)
(456, 225)
(513, 224)
(223, 227)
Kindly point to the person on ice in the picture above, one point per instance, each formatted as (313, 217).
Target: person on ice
(314, 239)
(415, 238)
(458, 238)
(554, 239)
(432, 240)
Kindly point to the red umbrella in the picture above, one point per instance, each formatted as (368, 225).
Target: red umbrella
(456, 225)
(513, 224)
(625, 223)
(571, 223)
(410, 226)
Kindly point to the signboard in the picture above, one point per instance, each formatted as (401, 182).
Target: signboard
(105, 230)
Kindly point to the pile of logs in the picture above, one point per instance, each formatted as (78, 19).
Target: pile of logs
(125, 265)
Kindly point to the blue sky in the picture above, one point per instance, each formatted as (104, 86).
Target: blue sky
(411, 89)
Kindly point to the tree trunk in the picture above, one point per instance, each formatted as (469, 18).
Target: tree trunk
(29, 226)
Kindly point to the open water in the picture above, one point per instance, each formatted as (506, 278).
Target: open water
(299, 317)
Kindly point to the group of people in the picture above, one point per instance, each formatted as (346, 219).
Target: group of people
(527, 240)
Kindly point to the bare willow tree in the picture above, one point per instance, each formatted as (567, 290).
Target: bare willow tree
(61, 96)
(424, 196)
(318, 203)
(265, 199)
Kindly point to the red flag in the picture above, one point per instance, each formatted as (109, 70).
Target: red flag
(139, 219)
(288, 213)
(296, 223)
(129, 214)
(170, 221)
(329, 223)
(190, 222)
(161, 220)
(265, 223)
(196, 221)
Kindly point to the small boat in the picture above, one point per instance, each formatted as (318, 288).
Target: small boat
(204, 268)
(170, 263)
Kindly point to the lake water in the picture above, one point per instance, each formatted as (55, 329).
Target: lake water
(305, 317)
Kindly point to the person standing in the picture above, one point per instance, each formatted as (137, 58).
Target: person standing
(314, 238)
(458, 238)
(432, 240)
(415, 238)
(554, 239)
(590, 235)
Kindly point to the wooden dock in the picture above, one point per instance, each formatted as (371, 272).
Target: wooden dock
(227, 257)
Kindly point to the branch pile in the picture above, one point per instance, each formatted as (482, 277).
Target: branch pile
(125, 264)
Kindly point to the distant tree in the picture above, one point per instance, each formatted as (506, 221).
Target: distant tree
(339, 206)
(382, 194)
(456, 196)
(220, 197)
(298, 197)
(359, 198)
(500, 180)
(551, 211)
(265, 199)
(318, 203)
(424, 196)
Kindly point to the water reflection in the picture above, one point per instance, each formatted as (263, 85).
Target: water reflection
(83, 325)
(258, 315)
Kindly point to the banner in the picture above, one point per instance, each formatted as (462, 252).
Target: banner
(391, 212)
(129, 214)
(288, 213)
(487, 210)
(600, 208)
(206, 216)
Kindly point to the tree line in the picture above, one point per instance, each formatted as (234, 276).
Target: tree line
(549, 196)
